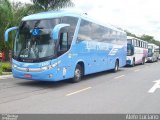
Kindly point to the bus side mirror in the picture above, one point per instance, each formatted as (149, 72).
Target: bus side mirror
(56, 30)
(7, 32)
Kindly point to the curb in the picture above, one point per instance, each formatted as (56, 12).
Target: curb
(6, 76)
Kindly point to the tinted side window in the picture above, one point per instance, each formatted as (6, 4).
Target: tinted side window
(92, 31)
(84, 31)
(99, 33)
(73, 23)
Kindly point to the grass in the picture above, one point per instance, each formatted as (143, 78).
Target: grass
(5, 67)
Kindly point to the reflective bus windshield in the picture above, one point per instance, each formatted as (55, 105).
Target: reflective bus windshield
(150, 53)
(130, 50)
(33, 40)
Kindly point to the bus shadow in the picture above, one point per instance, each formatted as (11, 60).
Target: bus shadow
(130, 66)
(138, 65)
(67, 82)
(101, 74)
(42, 84)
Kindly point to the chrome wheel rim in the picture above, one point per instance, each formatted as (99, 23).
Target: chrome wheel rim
(77, 74)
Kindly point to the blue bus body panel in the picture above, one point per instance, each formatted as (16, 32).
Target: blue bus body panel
(99, 56)
(96, 58)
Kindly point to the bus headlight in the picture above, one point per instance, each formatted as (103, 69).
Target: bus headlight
(14, 66)
(49, 66)
(128, 59)
(45, 68)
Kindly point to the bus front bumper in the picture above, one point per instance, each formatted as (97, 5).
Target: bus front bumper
(149, 59)
(128, 62)
(39, 76)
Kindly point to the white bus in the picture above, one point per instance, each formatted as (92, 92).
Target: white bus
(153, 52)
(136, 51)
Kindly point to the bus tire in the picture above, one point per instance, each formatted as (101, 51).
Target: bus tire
(78, 73)
(133, 64)
(116, 67)
(143, 61)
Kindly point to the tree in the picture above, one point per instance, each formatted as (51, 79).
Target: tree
(147, 38)
(44, 5)
(150, 39)
(10, 15)
(130, 34)
(20, 10)
(6, 18)
(144, 37)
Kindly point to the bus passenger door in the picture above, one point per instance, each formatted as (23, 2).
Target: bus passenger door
(63, 43)
(63, 55)
(60, 36)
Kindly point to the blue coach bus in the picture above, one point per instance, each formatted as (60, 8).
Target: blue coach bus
(54, 46)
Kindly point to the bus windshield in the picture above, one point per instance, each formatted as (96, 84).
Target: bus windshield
(150, 53)
(33, 41)
(130, 50)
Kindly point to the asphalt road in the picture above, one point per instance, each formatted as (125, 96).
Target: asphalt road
(130, 90)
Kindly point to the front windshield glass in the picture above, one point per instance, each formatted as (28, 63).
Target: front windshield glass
(130, 50)
(150, 53)
(33, 40)
(129, 41)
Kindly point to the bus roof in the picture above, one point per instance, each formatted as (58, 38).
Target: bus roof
(151, 44)
(51, 14)
(130, 37)
(73, 13)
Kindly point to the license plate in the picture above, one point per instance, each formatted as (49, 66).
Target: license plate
(27, 76)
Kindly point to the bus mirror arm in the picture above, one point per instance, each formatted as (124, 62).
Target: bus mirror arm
(7, 32)
(56, 30)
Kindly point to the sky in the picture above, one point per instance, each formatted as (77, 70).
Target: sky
(136, 16)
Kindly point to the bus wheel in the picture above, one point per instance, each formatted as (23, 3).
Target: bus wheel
(78, 73)
(116, 67)
(143, 61)
(133, 64)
